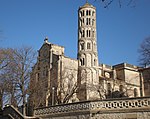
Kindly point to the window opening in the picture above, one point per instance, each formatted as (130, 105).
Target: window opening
(89, 21)
(83, 13)
(88, 46)
(87, 33)
(83, 33)
(86, 21)
(87, 12)
(82, 62)
(93, 34)
(82, 46)
(94, 62)
(135, 92)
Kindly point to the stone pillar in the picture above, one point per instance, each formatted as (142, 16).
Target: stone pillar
(141, 84)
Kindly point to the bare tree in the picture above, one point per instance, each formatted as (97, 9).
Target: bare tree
(144, 51)
(68, 87)
(65, 89)
(6, 57)
(37, 93)
(23, 61)
(16, 75)
(107, 3)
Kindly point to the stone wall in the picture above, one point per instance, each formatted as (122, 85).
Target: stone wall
(127, 108)
(146, 77)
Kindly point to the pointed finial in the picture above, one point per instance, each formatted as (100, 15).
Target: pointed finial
(86, 1)
(46, 39)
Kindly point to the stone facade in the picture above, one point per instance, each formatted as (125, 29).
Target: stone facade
(56, 71)
(67, 80)
(145, 74)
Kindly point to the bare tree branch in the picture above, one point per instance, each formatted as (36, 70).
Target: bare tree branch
(15, 68)
(107, 3)
(144, 51)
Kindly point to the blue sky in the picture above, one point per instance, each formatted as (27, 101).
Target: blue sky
(120, 31)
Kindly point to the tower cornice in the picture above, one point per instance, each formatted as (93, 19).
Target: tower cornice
(87, 5)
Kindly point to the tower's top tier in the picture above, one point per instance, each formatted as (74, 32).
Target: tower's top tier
(87, 5)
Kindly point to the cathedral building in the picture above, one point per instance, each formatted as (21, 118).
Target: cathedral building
(57, 79)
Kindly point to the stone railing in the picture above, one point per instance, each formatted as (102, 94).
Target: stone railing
(101, 105)
(13, 113)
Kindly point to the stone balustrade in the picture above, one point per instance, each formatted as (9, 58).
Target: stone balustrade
(101, 105)
(10, 112)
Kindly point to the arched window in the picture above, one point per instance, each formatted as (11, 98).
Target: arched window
(89, 21)
(89, 33)
(82, 62)
(87, 12)
(83, 34)
(82, 46)
(93, 34)
(135, 92)
(94, 62)
(83, 13)
(88, 46)
(86, 21)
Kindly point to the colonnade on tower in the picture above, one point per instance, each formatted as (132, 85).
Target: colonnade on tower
(87, 48)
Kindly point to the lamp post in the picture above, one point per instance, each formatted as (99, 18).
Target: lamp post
(53, 95)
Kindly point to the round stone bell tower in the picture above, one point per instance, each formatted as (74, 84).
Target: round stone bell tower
(87, 50)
